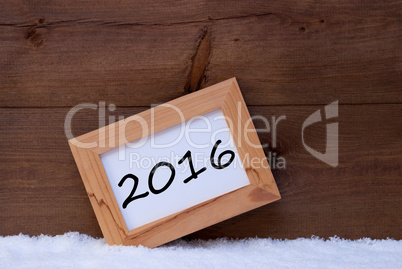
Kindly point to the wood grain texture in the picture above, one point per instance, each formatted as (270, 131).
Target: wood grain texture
(226, 96)
(101, 196)
(191, 219)
(42, 192)
(159, 12)
(62, 54)
(290, 58)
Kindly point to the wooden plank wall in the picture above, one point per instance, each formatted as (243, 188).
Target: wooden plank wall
(291, 58)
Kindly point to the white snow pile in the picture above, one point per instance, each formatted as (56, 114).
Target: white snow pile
(74, 250)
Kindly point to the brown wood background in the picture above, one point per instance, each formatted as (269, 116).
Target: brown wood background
(290, 58)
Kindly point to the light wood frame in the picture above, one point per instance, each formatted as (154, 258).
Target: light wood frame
(262, 189)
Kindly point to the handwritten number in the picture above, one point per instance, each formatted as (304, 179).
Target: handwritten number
(220, 165)
(194, 174)
(130, 197)
(151, 176)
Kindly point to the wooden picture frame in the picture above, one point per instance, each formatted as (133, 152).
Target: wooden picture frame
(261, 190)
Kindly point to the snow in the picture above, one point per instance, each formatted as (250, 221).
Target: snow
(74, 250)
